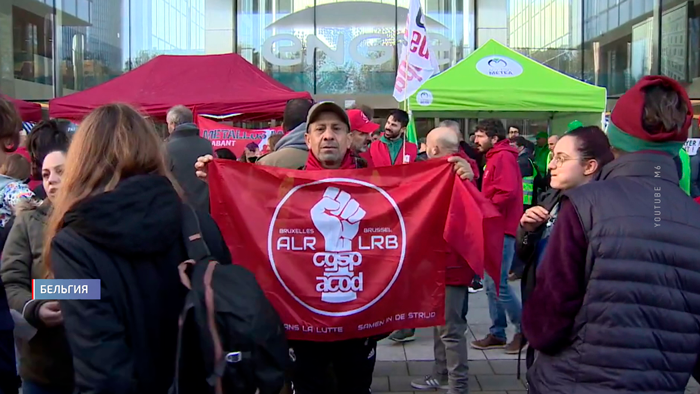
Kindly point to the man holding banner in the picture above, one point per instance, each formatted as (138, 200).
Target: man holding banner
(346, 256)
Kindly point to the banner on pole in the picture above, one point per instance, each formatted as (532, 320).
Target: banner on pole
(354, 253)
(417, 60)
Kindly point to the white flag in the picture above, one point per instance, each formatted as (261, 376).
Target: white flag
(417, 61)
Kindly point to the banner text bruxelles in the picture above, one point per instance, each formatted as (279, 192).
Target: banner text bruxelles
(353, 253)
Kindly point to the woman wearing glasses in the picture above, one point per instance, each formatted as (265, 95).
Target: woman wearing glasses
(576, 159)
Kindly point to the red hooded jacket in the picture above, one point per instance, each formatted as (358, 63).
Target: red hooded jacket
(503, 185)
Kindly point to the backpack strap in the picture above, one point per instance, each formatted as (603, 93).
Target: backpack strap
(197, 248)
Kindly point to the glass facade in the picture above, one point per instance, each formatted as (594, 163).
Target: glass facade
(340, 48)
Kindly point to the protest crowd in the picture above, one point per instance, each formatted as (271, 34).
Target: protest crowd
(279, 270)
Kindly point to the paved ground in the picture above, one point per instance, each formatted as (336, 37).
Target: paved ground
(492, 371)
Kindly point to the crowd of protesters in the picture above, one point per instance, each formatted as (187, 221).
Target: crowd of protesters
(595, 223)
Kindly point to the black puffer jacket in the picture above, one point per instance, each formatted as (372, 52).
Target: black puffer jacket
(638, 329)
(131, 240)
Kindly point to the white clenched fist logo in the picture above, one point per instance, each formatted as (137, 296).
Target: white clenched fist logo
(337, 217)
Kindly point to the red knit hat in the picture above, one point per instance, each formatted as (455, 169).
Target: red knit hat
(625, 130)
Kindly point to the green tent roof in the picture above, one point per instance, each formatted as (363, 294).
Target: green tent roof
(498, 79)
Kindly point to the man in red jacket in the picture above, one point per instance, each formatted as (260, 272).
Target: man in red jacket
(391, 149)
(360, 130)
(502, 184)
(352, 361)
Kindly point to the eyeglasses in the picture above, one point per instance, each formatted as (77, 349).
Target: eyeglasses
(559, 161)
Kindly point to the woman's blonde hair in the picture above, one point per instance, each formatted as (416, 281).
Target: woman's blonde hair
(16, 166)
(114, 142)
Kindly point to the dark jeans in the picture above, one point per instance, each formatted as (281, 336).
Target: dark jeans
(351, 362)
(518, 266)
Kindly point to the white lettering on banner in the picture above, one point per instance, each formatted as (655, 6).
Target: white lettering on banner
(292, 243)
(223, 143)
(377, 230)
(335, 246)
(379, 242)
(421, 315)
(323, 330)
(284, 49)
(337, 217)
(296, 231)
(691, 146)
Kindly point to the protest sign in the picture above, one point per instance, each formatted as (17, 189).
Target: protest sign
(354, 253)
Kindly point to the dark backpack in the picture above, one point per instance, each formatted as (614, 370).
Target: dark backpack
(231, 339)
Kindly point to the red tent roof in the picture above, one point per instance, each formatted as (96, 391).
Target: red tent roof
(29, 112)
(209, 84)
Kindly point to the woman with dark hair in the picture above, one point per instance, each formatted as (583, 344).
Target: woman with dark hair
(46, 365)
(45, 136)
(616, 305)
(577, 158)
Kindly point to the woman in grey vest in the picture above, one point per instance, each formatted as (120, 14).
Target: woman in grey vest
(616, 306)
(577, 158)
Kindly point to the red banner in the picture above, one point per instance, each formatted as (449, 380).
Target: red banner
(353, 253)
(233, 138)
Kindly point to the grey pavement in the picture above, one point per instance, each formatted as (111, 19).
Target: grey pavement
(491, 371)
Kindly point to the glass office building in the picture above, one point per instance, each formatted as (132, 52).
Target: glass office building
(340, 49)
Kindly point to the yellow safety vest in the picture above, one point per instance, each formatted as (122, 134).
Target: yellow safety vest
(529, 185)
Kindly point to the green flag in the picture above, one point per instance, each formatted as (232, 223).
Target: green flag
(411, 129)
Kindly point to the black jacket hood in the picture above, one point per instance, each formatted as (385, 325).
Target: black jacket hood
(185, 130)
(142, 215)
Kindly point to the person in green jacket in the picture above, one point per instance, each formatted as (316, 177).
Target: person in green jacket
(541, 152)
(685, 163)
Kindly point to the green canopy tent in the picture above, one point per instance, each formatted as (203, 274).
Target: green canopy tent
(496, 81)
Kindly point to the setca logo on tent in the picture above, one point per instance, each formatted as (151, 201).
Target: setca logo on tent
(337, 245)
(499, 67)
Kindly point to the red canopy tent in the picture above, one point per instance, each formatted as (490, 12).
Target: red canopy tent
(29, 112)
(209, 84)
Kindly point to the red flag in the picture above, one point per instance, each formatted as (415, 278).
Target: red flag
(352, 253)
(233, 138)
